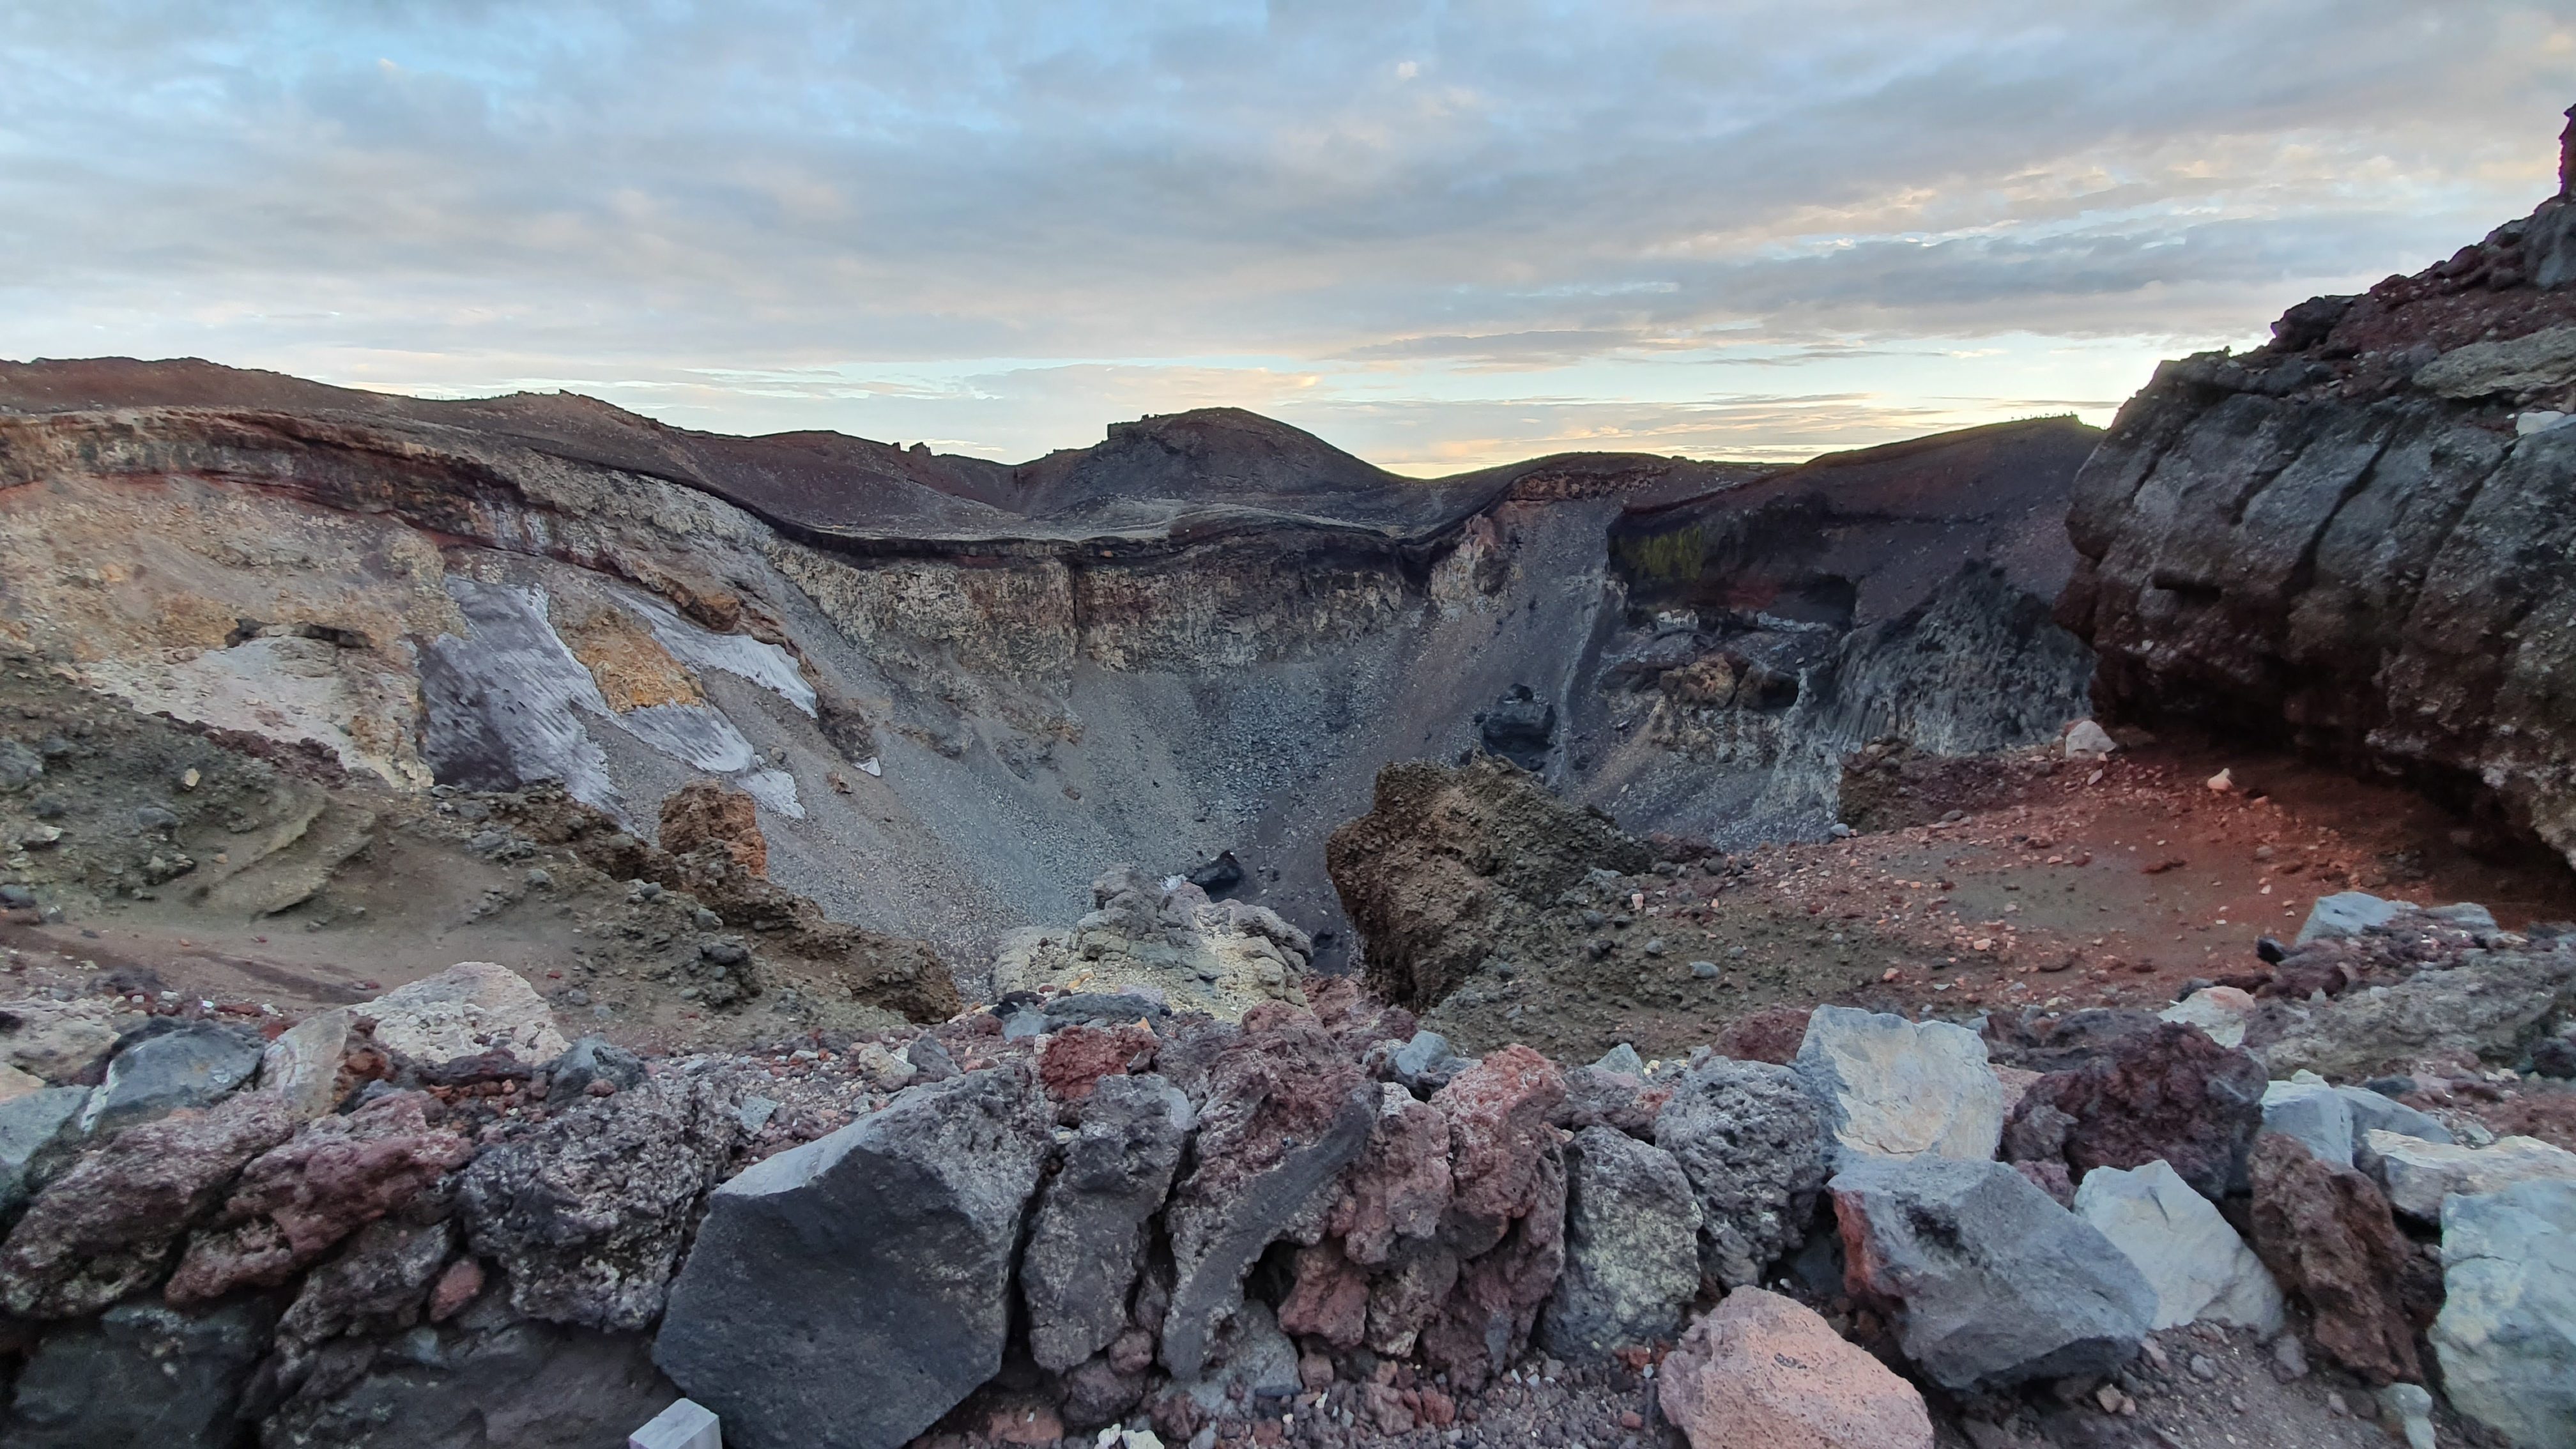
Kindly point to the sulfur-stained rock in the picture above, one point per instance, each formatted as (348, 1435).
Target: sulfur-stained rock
(191, 1067)
(1987, 1280)
(1760, 1369)
(1286, 1110)
(142, 1375)
(2506, 1336)
(441, 1017)
(297, 1201)
(2197, 1265)
(588, 1211)
(852, 1290)
(1090, 1233)
(2163, 1093)
(1631, 1248)
(1752, 1142)
(705, 815)
(2419, 1175)
(106, 1226)
(2326, 1234)
(1890, 1087)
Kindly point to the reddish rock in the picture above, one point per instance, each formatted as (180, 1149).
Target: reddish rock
(704, 815)
(1772, 1035)
(455, 1288)
(1075, 1058)
(2050, 1177)
(104, 1229)
(1384, 1406)
(2169, 1093)
(1400, 1186)
(1764, 1370)
(293, 1204)
(1502, 1149)
(1329, 1299)
(2327, 1235)
(1616, 1100)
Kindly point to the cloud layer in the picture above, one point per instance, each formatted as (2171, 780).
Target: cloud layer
(1439, 234)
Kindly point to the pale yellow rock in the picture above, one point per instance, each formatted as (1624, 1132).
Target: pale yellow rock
(471, 1007)
(55, 1040)
(303, 1064)
(15, 1083)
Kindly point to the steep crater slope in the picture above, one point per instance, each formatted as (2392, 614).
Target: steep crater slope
(959, 689)
(2357, 538)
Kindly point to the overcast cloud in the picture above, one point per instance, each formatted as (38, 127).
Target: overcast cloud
(1440, 235)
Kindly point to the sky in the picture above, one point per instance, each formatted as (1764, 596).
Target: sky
(1441, 235)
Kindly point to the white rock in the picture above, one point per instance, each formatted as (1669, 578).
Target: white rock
(303, 1064)
(2197, 1264)
(438, 1018)
(1890, 1087)
(685, 1425)
(2086, 740)
(2349, 913)
(2540, 420)
(2219, 1011)
(2420, 1174)
(2507, 1334)
(2314, 1113)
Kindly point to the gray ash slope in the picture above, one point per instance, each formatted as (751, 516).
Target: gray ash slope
(959, 688)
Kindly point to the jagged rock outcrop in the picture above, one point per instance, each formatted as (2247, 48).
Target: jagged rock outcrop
(2353, 538)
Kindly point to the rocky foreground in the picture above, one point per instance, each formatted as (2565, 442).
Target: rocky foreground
(430, 1219)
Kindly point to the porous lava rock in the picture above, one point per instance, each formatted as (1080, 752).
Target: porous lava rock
(2168, 1094)
(705, 815)
(1631, 1247)
(1454, 864)
(2326, 1234)
(297, 1201)
(1760, 1369)
(885, 1246)
(378, 1282)
(1093, 1223)
(587, 1213)
(106, 1226)
(1506, 1214)
(1752, 1143)
(1987, 1281)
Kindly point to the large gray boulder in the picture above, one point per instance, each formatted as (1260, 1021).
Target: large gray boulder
(1631, 1248)
(191, 1067)
(2493, 1007)
(852, 1290)
(1090, 1235)
(2314, 1113)
(2197, 1265)
(2420, 1175)
(1988, 1280)
(1890, 1087)
(1752, 1143)
(2507, 1332)
(140, 1375)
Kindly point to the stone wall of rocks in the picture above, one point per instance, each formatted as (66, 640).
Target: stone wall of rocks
(429, 1220)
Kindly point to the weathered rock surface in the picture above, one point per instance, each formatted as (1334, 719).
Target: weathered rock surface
(2326, 1234)
(1760, 1369)
(1752, 1142)
(190, 1067)
(2197, 1265)
(2491, 1009)
(2330, 544)
(1220, 957)
(1506, 1215)
(2219, 1012)
(296, 1202)
(593, 1059)
(1091, 1230)
(305, 1064)
(705, 815)
(1451, 865)
(2419, 1175)
(141, 1375)
(378, 1282)
(1988, 1281)
(1286, 1111)
(588, 1212)
(2506, 1336)
(2314, 1113)
(38, 1133)
(106, 1226)
(520, 1383)
(55, 1040)
(1889, 1087)
(469, 1008)
(886, 1244)
(2163, 1093)
(1631, 1248)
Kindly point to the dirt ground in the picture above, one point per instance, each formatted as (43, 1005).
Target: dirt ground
(2054, 884)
